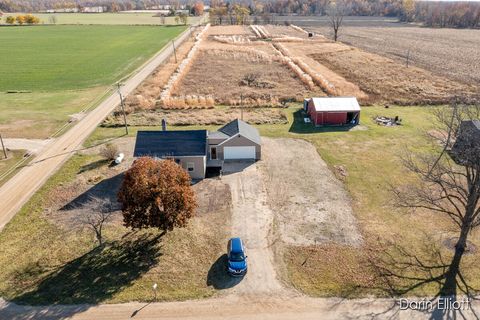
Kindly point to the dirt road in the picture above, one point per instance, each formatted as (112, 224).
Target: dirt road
(15, 192)
(270, 308)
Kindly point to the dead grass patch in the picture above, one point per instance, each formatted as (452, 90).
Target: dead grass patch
(229, 30)
(201, 117)
(146, 95)
(387, 81)
(225, 72)
(330, 270)
(285, 31)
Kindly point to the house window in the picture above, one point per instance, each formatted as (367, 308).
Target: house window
(190, 166)
(213, 153)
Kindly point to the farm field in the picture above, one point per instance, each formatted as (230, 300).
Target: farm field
(120, 18)
(451, 53)
(69, 62)
(45, 94)
(267, 66)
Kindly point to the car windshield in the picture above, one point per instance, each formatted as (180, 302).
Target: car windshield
(236, 256)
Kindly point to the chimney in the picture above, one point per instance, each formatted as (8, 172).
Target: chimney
(164, 125)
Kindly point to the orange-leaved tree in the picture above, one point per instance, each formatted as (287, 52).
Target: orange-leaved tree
(156, 193)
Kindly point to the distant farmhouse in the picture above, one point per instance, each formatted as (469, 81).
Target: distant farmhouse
(333, 110)
(197, 150)
(93, 9)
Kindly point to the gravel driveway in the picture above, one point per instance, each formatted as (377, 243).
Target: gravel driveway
(291, 188)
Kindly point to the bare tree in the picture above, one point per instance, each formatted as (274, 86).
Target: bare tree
(450, 182)
(336, 10)
(95, 214)
(109, 151)
(52, 19)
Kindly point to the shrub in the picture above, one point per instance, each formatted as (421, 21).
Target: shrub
(109, 151)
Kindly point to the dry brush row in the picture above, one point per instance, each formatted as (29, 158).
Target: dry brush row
(260, 31)
(167, 101)
(316, 77)
(303, 76)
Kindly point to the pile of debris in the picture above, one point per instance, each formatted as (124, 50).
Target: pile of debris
(386, 121)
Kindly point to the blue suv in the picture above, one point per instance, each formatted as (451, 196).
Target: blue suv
(237, 260)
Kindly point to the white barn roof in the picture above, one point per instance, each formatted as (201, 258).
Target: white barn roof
(336, 104)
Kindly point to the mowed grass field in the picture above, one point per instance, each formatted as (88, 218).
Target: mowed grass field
(130, 18)
(47, 58)
(60, 70)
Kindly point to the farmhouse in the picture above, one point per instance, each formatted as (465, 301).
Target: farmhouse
(197, 150)
(333, 110)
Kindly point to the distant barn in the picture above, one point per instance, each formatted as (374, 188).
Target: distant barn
(333, 110)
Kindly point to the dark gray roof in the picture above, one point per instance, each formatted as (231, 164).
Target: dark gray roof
(217, 135)
(243, 128)
(171, 143)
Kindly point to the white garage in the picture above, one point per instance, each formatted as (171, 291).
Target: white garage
(243, 152)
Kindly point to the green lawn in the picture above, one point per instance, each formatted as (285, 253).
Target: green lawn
(12, 158)
(61, 70)
(50, 58)
(43, 263)
(39, 114)
(106, 18)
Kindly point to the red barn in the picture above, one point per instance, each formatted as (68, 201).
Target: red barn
(333, 111)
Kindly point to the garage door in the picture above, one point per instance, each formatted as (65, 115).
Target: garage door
(232, 153)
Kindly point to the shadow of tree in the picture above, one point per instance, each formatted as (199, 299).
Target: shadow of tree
(401, 271)
(299, 125)
(105, 189)
(93, 165)
(97, 275)
(218, 276)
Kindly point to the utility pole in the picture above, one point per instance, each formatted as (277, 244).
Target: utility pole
(241, 107)
(123, 108)
(174, 50)
(408, 56)
(3, 147)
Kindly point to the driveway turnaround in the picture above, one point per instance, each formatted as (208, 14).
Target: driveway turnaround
(16, 191)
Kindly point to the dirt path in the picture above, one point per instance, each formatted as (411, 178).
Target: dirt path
(31, 145)
(252, 220)
(15, 192)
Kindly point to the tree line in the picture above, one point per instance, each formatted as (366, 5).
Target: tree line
(448, 14)
(22, 19)
(109, 5)
(458, 14)
(430, 13)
